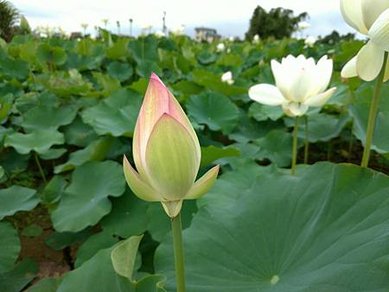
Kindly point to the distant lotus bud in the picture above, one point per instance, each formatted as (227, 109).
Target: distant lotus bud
(166, 153)
(220, 47)
(227, 78)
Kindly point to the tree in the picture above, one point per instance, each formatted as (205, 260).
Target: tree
(9, 16)
(278, 23)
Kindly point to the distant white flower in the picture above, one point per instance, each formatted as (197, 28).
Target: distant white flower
(256, 39)
(179, 30)
(159, 34)
(371, 18)
(220, 47)
(227, 78)
(300, 83)
(310, 41)
(303, 25)
(231, 38)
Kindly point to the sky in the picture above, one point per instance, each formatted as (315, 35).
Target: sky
(229, 17)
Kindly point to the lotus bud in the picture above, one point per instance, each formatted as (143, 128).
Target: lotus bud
(166, 153)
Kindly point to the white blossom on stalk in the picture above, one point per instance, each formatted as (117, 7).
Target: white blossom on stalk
(256, 39)
(371, 18)
(227, 78)
(220, 47)
(303, 25)
(310, 41)
(300, 83)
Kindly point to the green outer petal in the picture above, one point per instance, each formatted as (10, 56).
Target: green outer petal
(158, 101)
(369, 61)
(172, 208)
(203, 184)
(171, 158)
(137, 185)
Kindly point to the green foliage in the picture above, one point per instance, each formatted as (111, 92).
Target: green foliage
(278, 23)
(68, 110)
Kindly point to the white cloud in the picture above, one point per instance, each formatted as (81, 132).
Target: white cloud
(235, 15)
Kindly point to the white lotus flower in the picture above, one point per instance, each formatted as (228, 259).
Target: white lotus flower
(220, 47)
(227, 78)
(300, 83)
(256, 39)
(371, 18)
(303, 25)
(310, 41)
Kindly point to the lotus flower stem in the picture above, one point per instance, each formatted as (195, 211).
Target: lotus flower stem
(178, 252)
(42, 173)
(373, 114)
(306, 142)
(294, 147)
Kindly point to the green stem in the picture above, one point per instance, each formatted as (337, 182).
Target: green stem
(306, 142)
(40, 167)
(294, 148)
(373, 114)
(178, 253)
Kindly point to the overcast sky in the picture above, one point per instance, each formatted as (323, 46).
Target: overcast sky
(229, 17)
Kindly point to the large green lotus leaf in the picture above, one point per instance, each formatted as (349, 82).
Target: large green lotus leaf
(144, 49)
(230, 60)
(95, 151)
(206, 57)
(213, 82)
(325, 229)
(85, 200)
(120, 71)
(276, 146)
(128, 216)
(15, 199)
(58, 241)
(17, 278)
(360, 112)
(65, 84)
(321, 127)
(51, 54)
(39, 141)
(261, 112)
(78, 133)
(32, 99)
(53, 190)
(214, 110)
(2, 172)
(53, 153)
(46, 285)
(115, 115)
(211, 153)
(159, 224)
(6, 104)
(98, 274)
(106, 84)
(14, 68)
(43, 117)
(119, 49)
(12, 162)
(9, 246)
(92, 245)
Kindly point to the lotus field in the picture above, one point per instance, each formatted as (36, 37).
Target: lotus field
(272, 156)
